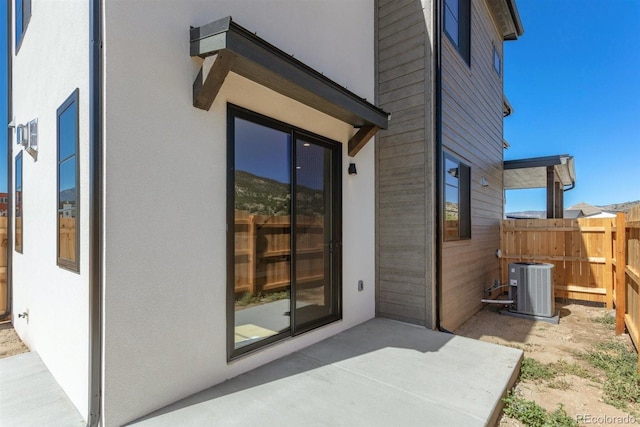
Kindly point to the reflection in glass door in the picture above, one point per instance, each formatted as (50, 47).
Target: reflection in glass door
(284, 231)
(262, 210)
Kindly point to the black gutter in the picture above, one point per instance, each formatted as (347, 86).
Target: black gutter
(95, 213)
(438, 157)
(9, 131)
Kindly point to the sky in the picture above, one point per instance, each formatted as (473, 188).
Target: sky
(573, 79)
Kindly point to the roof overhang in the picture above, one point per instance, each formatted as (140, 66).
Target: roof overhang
(226, 46)
(532, 173)
(505, 13)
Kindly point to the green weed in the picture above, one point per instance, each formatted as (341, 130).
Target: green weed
(620, 366)
(536, 371)
(531, 414)
(607, 320)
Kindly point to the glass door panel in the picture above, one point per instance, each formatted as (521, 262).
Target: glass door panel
(262, 206)
(315, 243)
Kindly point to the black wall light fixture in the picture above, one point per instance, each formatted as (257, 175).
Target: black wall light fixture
(352, 169)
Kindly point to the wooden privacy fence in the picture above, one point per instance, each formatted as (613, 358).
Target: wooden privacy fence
(263, 252)
(627, 280)
(580, 249)
(595, 259)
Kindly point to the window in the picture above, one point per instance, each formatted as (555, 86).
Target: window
(18, 224)
(497, 62)
(23, 16)
(457, 25)
(284, 241)
(68, 194)
(457, 199)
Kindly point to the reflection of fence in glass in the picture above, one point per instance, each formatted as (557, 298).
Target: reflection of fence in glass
(67, 238)
(3, 264)
(263, 252)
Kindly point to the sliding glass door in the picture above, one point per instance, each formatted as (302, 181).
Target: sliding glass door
(284, 231)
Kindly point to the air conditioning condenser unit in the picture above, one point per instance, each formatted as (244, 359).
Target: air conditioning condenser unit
(532, 289)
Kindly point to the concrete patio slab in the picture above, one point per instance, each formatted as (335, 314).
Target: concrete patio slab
(379, 373)
(30, 396)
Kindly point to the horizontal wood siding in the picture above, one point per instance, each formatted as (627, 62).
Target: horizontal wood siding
(472, 132)
(404, 170)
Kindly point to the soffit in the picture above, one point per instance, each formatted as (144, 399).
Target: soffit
(532, 173)
(506, 16)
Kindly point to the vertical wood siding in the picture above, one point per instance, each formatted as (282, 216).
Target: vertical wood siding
(404, 163)
(472, 131)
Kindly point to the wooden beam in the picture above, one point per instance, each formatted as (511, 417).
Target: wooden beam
(559, 200)
(621, 263)
(551, 187)
(211, 77)
(361, 138)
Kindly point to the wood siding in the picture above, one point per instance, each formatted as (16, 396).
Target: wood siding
(404, 163)
(472, 132)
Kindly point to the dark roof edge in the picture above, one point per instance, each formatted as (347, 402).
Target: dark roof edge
(536, 162)
(515, 17)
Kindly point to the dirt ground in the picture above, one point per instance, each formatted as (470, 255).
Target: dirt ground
(576, 332)
(10, 343)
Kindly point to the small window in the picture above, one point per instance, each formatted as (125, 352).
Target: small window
(457, 25)
(457, 199)
(68, 194)
(23, 16)
(497, 62)
(18, 223)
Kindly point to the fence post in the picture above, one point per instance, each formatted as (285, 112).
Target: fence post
(621, 263)
(608, 268)
(252, 255)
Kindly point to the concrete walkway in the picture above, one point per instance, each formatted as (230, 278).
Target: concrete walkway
(380, 373)
(30, 396)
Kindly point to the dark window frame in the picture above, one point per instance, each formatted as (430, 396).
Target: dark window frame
(234, 111)
(23, 15)
(19, 212)
(462, 29)
(464, 199)
(497, 61)
(72, 265)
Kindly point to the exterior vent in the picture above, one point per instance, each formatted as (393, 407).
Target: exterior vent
(532, 288)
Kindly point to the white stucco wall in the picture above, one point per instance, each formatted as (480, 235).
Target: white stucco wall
(165, 219)
(52, 62)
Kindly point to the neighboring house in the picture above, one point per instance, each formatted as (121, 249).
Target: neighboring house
(4, 198)
(585, 210)
(580, 210)
(288, 223)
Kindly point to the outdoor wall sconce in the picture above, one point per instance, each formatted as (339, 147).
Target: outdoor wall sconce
(352, 169)
(484, 182)
(27, 136)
